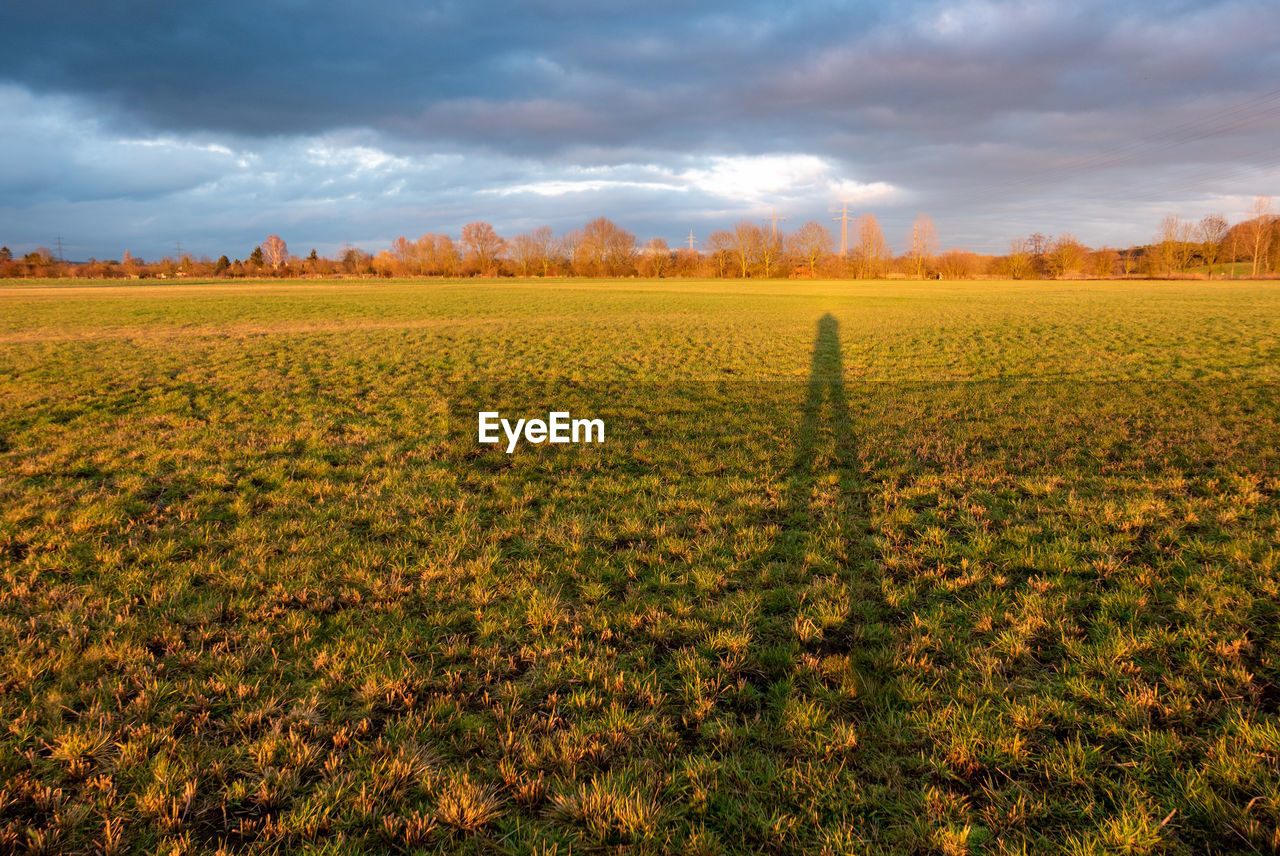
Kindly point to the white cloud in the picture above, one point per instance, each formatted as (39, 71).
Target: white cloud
(764, 178)
(561, 187)
(744, 180)
(354, 159)
(751, 178)
(856, 191)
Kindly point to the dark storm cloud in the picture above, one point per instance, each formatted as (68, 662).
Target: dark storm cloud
(507, 74)
(1018, 109)
(496, 73)
(279, 68)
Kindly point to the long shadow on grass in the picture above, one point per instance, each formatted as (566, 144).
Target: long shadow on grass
(826, 634)
(825, 530)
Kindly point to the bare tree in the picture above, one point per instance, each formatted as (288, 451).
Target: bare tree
(524, 252)
(958, 264)
(385, 264)
(1257, 232)
(423, 254)
(871, 251)
(1103, 262)
(1175, 245)
(747, 240)
(1065, 255)
(1128, 261)
(356, 261)
(274, 251)
(811, 243)
(534, 250)
(656, 259)
(605, 249)
(568, 249)
(1020, 261)
(1211, 231)
(720, 249)
(545, 247)
(688, 262)
(923, 243)
(483, 246)
(1038, 245)
(1159, 259)
(405, 255)
(620, 250)
(769, 253)
(436, 255)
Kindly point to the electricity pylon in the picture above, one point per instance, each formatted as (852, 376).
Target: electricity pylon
(776, 218)
(844, 230)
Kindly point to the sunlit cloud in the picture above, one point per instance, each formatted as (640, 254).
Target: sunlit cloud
(753, 178)
(747, 180)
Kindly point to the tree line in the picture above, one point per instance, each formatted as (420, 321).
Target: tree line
(602, 248)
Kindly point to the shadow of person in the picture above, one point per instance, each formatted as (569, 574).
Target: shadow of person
(824, 622)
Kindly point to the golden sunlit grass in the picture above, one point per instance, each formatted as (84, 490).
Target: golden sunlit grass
(861, 567)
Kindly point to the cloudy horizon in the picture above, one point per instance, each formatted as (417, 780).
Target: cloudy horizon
(143, 125)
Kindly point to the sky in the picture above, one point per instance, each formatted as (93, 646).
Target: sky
(145, 126)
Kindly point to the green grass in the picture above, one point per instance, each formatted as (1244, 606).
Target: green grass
(1225, 270)
(861, 568)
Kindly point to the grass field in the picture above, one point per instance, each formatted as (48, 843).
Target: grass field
(860, 568)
